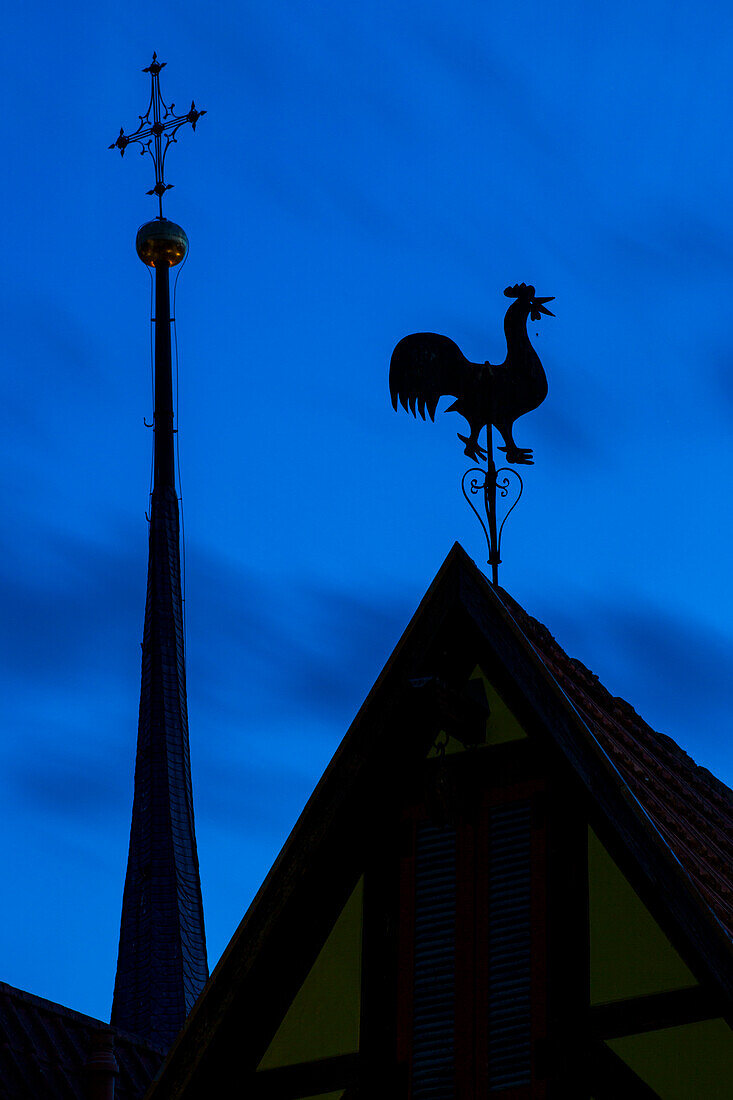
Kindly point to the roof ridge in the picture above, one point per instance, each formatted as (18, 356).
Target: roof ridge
(14, 993)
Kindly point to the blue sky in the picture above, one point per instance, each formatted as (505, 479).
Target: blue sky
(363, 171)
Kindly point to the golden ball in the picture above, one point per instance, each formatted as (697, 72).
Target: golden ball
(161, 243)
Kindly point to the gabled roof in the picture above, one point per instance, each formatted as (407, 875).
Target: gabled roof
(44, 1048)
(666, 821)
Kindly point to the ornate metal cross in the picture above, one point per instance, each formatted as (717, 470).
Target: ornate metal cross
(151, 132)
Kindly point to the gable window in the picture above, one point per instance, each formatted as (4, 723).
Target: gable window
(472, 950)
(434, 980)
(509, 946)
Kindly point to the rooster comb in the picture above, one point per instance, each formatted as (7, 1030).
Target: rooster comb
(519, 290)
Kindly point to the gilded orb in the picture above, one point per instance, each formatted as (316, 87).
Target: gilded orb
(161, 243)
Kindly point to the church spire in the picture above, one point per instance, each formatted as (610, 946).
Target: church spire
(161, 965)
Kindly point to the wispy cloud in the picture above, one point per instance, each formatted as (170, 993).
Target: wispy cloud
(263, 656)
(673, 668)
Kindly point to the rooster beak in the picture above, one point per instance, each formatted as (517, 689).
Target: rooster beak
(538, 306)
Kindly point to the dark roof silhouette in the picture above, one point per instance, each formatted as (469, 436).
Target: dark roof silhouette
(44, 1048)
(666, 820)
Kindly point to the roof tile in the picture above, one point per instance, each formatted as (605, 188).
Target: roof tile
(44, 1048)
(692, 810)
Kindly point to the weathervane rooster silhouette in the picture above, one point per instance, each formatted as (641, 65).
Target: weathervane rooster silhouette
(426, 366)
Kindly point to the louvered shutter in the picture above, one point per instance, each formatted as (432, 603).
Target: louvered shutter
(509, 946)
(433, 1026)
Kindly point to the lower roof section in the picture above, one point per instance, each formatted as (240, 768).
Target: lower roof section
(48, 1051)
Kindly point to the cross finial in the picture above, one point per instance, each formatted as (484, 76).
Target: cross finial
(151, 131)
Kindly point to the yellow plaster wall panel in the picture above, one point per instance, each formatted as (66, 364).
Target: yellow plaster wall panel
(501, 726)
(630, 955)
(323, 1020)
(692, 1062)
(325, 1096)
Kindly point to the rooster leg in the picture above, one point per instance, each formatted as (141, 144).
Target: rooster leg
(472, 449)
(520, 456)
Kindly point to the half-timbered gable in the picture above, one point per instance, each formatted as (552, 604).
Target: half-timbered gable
(505, 885)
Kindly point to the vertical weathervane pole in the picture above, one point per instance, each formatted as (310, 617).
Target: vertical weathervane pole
(490, 506)
(489, 482)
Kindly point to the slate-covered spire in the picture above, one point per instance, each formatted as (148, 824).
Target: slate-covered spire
(161, 966)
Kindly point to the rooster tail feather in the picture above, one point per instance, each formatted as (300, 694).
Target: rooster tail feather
(426, 367)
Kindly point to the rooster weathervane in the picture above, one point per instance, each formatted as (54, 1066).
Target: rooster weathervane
(426, 366)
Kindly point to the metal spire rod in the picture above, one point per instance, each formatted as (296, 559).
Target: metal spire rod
(150, 133)
(163, 450)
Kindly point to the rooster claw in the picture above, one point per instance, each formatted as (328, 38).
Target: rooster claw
(520, 456)
(472, 449)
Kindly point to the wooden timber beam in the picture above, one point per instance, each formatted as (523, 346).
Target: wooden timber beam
(612, 1078)
(304, 1079)
(655, 1011)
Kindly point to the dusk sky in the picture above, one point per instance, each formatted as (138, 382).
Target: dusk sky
(363, 172)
